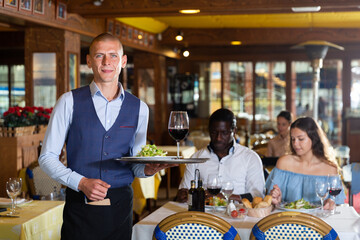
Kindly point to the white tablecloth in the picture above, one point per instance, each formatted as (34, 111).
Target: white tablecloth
(346, 224)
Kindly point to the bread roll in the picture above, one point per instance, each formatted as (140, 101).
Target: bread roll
(268, 199)
(246, 203)
(262, 205)
(256, 200)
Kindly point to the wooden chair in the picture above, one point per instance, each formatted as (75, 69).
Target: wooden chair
(292, 225)
(194, 225)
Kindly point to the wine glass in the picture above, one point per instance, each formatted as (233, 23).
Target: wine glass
(178, 127)
(322, 190)
(13, 188)
(227, 189)
(213, 186)
(335, 187)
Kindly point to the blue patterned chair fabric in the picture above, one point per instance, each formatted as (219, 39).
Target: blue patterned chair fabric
(292, 225)
(194, 225)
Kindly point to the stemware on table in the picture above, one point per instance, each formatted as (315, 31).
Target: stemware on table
(227, 189)
(178, 127)
(335, 187)
(13, 189)
(322, 190)
(213, 186)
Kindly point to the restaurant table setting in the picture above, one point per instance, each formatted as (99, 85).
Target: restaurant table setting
(34, 220)
(346, 223)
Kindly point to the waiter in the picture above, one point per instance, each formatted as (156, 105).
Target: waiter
(98, 122)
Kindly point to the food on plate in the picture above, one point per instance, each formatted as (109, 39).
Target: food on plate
(246, 203)
(299, 204)
(256, 201)
(216, 201)
(150, 150)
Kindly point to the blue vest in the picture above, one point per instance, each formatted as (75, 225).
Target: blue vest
(90, 148)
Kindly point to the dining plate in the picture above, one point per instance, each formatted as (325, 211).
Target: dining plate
(161, 159)
(218, 208)
(283, 208)
(6, 202)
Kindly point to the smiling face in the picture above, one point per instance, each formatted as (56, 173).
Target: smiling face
(300, 141)
(283, 126)
(106, 60)
(221, 135)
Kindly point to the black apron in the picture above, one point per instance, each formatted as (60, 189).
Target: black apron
(83, 221)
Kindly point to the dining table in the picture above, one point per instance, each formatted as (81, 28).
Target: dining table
(346, 224)
(37, 220)
(147, 188)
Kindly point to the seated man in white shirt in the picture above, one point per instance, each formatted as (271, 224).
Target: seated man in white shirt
(231, 161)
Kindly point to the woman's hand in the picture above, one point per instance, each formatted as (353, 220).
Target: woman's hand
(329, 204)
(276, 195)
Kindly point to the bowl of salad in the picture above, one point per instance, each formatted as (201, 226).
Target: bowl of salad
(300, 205)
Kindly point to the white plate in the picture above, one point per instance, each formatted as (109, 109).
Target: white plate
(6, 202)
(161, 159)
(283, 208)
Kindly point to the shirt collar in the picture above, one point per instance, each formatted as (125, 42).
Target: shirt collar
(231, 150)
(94, 90)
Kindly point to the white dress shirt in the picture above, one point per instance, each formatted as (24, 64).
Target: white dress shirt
(242, 166)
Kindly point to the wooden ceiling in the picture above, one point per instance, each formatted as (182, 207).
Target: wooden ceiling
(253, 22)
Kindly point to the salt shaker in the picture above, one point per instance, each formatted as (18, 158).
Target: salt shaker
(230, 207)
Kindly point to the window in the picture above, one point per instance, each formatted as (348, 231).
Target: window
(355, 86)
(330, 96)
(44, 77)
(12, 91)
(238, 88)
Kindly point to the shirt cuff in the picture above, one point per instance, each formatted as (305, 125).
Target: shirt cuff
(74, 181)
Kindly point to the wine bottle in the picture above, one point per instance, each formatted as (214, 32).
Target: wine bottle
(200, 200)
(192, 195)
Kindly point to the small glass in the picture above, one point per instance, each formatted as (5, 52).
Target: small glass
(227, 190)
(13, 189)
(322, 190)
(178, 127)
(214, 187)
(335, 188)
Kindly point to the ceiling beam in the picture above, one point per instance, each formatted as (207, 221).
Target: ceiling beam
(259, 36)
(153, 8)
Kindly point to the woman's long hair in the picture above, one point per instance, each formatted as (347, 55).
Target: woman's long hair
(321, 147)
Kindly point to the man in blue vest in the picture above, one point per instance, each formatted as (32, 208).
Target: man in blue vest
(98, 122)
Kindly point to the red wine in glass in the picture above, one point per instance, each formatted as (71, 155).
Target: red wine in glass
(334, 191)
(178, 127)
(214, 191)
(178, 134)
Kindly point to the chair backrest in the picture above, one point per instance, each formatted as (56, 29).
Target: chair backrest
(40, 184)
(194, 225)
(292, 225)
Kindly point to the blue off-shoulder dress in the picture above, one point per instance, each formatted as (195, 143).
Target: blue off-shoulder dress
(295, 186)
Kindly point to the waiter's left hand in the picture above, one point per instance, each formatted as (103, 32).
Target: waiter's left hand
(152, 168)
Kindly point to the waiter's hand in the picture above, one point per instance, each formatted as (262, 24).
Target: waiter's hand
(152, 168)
(94, 189)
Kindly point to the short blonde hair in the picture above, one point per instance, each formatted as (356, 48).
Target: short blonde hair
(105, 37)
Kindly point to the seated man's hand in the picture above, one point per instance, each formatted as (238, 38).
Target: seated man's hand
(182, 195)
(329, 204)
(235, 197)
